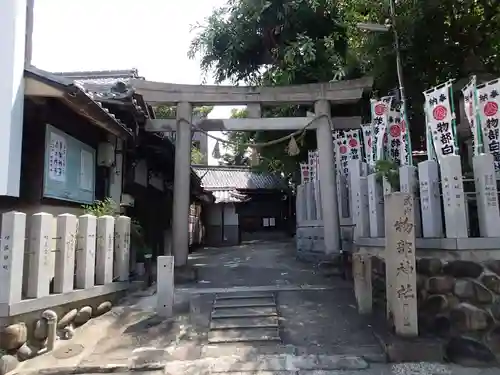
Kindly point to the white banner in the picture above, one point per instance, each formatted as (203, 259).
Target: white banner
(488, 104)
(440, 117)
(304, 173)
(394, 136)
(470, 108)
(406, 151)
(347, 146)
(366, 131)
(380, 113)
(313, 157)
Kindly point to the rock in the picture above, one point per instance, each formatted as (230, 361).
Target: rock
(25, 352)
(421, 281)
(438, 303)
(495, 309)
(493, 265)
(468, 351)
(103, 308)
(440, 284)
(473, 291)
(67, 332)
(492, 339)
(8, 363)
(429, 266)
(67, 319)
(14, 336)
(466, 317)
(463, 268)
(83, 316)
(40, 331)
(491, 281)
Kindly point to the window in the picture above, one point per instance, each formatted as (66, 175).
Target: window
(268, 222)
(69, 172)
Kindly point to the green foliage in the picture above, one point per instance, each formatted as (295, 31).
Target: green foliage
(101, 208)
(197, 157)
(165, 111)
(388, 170)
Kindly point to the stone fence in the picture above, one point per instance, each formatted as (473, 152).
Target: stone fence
(441, 278)
(78, 258)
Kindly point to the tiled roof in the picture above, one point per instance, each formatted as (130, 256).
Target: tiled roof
(241, 178)
(228, 196)
(68, 84)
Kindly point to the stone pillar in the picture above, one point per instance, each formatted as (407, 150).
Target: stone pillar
(310, 203)
(167, 242)
(300, 205)
(254, 110)
(85, 254)
(401, 274)
(105, 247)
(12, 256)
(12, 45)
(122, 248)
(362, 272)
(455, 212)
(376, 206)
(327, 178)
(359, 199)
(317, 199)
(408, 180)
(182, 184)
(39, 255)
(430, 198)
(165, 286)
(487, 195)
(65, 253)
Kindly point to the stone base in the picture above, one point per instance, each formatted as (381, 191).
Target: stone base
(185, 274)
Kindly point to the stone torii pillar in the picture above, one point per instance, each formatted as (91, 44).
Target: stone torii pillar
(327, 177)
(182, 184)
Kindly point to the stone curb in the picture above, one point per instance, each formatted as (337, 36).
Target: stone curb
(110, 369)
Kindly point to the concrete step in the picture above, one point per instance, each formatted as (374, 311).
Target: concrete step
(243, 335)
(266, 363)
(244, 301)
(262, 322)
(244, 304)
(243, 295)
(244, 312)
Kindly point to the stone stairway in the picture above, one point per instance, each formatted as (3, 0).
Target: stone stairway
(244, 317)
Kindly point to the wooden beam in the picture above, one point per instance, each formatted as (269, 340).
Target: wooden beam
(248, 124)
(156, 93)
(33, 87)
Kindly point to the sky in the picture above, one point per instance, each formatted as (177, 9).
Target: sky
(152, 36)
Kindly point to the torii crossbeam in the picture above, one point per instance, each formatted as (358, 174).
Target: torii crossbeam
(322, 95)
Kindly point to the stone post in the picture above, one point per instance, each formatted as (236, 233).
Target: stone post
(65, 253)
(310, 203)
(122, 248)
(376, 206)
(105, 247)
(408, 180)
(85, 254)
(455, 212)
(165, 286)
(327, 177)
(299, 205)
(487, 195)
(317, 199)
(39, 255)
(401, 275)
(359, 199)
(182, 184)
(430, 198)
(362, 272)
(12, 256)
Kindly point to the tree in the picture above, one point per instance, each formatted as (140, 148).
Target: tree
(279, 42)
(197, 157)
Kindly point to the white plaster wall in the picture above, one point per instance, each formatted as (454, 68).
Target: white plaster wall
(12, 46)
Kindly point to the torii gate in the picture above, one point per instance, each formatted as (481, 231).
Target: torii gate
(187, 96)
